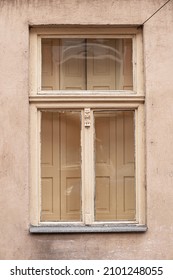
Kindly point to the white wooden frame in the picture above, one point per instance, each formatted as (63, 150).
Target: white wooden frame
(35, 56)
(96, 100)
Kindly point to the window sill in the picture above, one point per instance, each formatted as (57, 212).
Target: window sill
(88, 229)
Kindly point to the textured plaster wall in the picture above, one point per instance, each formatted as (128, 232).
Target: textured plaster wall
(15, 240)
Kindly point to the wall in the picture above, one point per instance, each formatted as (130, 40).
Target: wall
(15, 240)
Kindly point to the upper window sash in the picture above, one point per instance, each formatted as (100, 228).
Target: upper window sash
(36, 60)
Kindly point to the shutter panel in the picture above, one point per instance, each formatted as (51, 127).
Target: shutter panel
(50, 171)
(72, 67)
(50, 64)
(128, 67)
(115, 176)
(100, 64)
(60, 167)
(70, 167)
(108, 62)
(125, 167)
(105, 167)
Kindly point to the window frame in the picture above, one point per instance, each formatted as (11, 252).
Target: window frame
(35, 57)
(78, 100)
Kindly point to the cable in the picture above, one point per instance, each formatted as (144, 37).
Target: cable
(155, 12)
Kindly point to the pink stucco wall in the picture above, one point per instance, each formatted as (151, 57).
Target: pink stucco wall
(15, 240)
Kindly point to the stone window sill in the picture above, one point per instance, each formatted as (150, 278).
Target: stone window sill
(88, 229)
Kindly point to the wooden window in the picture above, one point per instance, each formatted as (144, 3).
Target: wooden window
(87, 130)
(86, 64)
(114, 166)
(60, 166)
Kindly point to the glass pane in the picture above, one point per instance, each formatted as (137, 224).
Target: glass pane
(114, 166)
(60, 166)
(87, 64)
(72, 64)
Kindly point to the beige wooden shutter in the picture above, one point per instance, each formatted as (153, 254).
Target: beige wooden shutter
(125, 166)
(72, 67)
(50, 64)
(60, 167)
(105, 127)
(115, 178)
(100, 64)
(128, 67)
(50, 167)
(70, 167)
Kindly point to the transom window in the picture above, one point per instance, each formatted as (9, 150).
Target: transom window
(87, 64)
(87, 137)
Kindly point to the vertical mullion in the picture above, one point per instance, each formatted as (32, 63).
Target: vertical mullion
(88, 170)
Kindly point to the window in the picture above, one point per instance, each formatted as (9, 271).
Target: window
(87, 130)
(87, 64)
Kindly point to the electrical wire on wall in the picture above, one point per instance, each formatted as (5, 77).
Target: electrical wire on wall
(155, 12)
